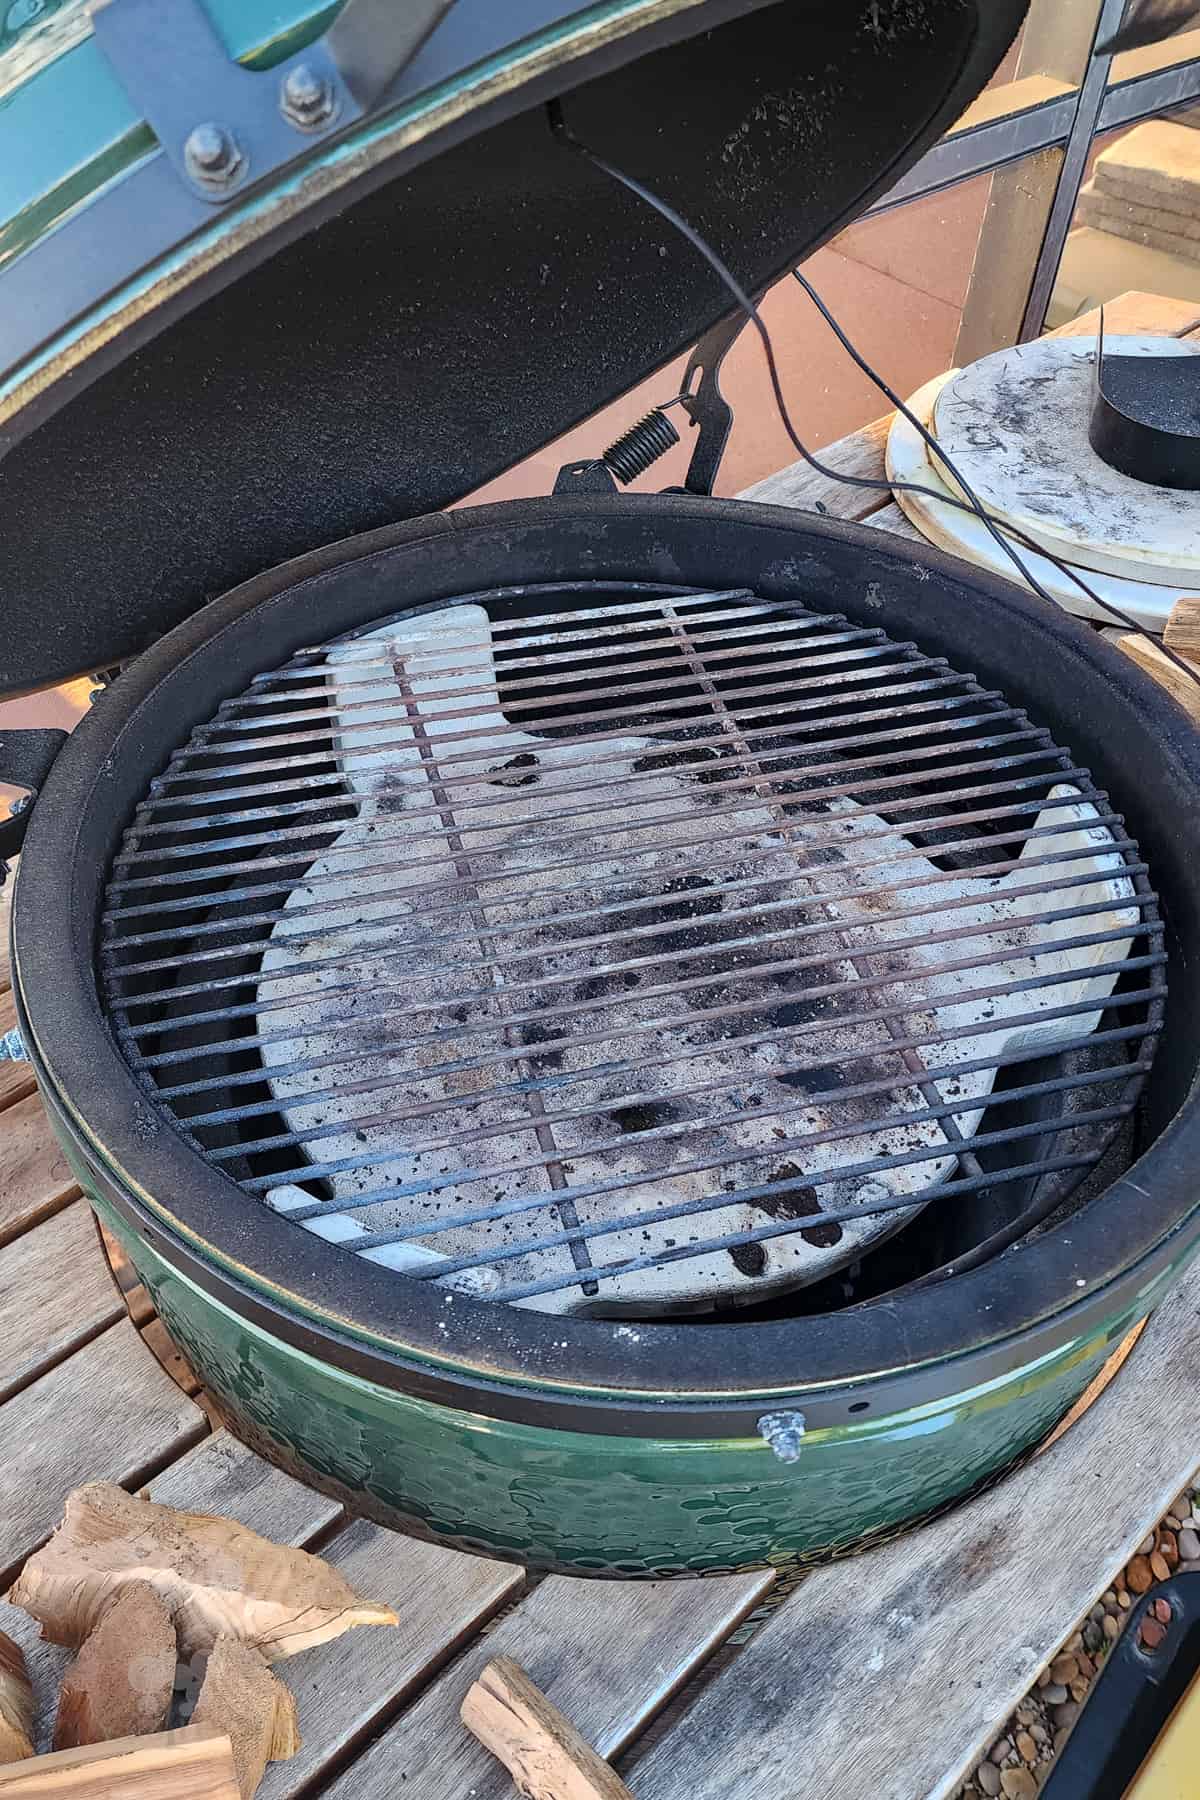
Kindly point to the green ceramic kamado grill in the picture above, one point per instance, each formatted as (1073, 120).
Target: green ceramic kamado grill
(641, 1033)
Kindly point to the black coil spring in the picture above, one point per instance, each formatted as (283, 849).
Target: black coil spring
(637, 449)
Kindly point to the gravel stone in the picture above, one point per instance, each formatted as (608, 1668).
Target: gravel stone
(1124, 1599)
(1151, 1633)
(1064, 1668)
(1056, 1693)
(1066, 1714)
(1026, 1747)
(987, 1777)
(1018, 1784)
(1001, 1749)
(1112, 1630)
(1139, 1575)
(1146, 1545)
(1160, 1568)
(1189, 1545)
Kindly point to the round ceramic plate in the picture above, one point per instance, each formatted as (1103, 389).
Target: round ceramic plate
(962, 534)
(1016, 425)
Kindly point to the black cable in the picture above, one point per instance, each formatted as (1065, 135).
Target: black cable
(562, 132)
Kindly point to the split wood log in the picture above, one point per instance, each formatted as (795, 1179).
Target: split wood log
(16, 1703)
(1149, 657)
(541, 1749)
(1181, 632)
(121, 1682)
(240, 1695)
(192, 1763)
(216, 1577)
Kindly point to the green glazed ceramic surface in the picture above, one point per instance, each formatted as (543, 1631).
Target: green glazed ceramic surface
(595, 1504)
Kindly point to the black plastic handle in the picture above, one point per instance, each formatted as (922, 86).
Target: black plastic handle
(25, 760)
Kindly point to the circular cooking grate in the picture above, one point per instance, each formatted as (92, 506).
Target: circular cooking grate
(618, 948)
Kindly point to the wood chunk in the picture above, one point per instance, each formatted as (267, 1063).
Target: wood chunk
(1180, 686)
(216, 1577)
(240, 1695)
(538, 1745)
(121, 1682)
(1182, 630)
(193, 1763)
(16, 1703)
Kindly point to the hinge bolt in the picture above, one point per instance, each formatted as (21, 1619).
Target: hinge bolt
(212, 156)
(783, 1432)
(306, 99)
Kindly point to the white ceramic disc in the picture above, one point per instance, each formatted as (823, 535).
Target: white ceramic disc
(962, 534)
(1016, 425)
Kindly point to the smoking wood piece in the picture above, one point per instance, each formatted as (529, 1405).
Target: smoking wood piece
(240, 1695)
(538, 1745)
(1149, 657)
(120, 1684)
(16, 1703)
(216, 1577)
(193, 1763)
(1181, 632)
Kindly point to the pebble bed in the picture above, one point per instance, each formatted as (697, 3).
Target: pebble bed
(1022, 1756)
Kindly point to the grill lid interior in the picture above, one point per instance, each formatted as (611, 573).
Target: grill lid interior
(603, 950)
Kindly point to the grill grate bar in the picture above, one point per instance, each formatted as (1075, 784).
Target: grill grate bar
(828, 990)
(377, 836)
(649, 593)
(763, 1234)
(179, 769)
(642, 725)
(842, 1092)
(759, 910)
(711, 769)
(540, 668)
(235, 731)
(462, 1065)
(688, 1209)
(867, 1169)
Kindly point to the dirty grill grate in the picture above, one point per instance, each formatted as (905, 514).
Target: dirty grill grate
(622, 948)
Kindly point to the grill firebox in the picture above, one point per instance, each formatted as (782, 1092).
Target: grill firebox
(623, 949)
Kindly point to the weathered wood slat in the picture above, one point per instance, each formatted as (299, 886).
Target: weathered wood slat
(34, 1178)
(889, 1675)
(890, 518)
(55, 1294)
(108, 1413)
(442, 1598)
(608, 1654)
(799, 485)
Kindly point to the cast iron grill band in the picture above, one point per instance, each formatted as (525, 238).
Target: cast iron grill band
(226, 896)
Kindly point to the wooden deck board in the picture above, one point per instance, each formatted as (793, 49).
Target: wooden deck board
(34, 1178)
(609, 1654)
(108, 1413)
(890, 1674)
(442, 1597)
(55, 1294)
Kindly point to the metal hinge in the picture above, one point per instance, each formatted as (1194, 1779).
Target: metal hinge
(223, 126)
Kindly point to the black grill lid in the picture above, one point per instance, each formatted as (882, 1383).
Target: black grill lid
(464, 303)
